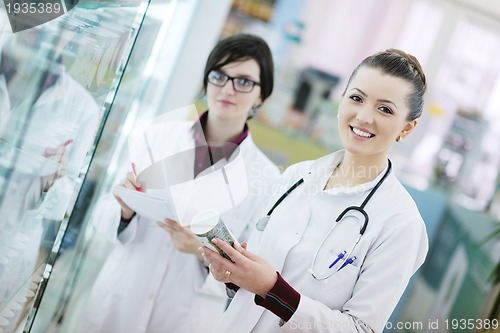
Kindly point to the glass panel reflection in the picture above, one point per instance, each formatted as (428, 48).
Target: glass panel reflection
(56, 84)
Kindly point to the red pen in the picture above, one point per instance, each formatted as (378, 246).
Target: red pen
(134, 170)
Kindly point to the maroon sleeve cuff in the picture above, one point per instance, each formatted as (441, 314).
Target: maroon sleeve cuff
(282, 299)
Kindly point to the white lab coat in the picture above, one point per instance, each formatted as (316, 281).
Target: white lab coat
(362, 296)
(63, 111)
(146, 285)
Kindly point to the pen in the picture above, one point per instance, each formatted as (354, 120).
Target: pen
(134, 170)
(339, 256)
(347, 262)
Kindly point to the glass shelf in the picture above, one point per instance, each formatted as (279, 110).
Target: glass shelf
(57, 85)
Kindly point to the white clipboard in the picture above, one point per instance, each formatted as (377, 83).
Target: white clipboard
(151, 205)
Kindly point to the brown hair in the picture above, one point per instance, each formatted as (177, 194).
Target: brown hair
(402, 65)
(243, 47)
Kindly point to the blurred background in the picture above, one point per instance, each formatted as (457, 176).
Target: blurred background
(72, 89)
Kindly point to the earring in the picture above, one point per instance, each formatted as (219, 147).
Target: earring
(399, 138)
(252, 112)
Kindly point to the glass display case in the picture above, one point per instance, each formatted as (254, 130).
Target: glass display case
(58, 82)
(108, 67)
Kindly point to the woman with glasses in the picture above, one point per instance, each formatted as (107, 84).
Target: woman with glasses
(157, 281)
(337, 249)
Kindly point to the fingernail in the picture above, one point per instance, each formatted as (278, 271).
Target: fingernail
(215, 240)
(200, 248)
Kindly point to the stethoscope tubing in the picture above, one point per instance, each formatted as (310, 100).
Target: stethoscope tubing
(261, 225)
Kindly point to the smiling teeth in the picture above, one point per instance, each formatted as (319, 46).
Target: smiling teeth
(361, 133)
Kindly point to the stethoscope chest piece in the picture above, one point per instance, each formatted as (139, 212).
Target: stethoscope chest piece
(262, 223)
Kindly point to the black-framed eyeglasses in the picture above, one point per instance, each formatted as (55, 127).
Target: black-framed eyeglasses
(240, 84)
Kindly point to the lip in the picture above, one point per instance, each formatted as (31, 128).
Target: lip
(361, 129)
(225, 102)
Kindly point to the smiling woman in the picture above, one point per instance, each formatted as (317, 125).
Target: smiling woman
(373, 113)
(305, 271)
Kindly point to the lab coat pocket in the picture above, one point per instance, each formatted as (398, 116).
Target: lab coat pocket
(346, 280)
(349, 271)
(337, 289)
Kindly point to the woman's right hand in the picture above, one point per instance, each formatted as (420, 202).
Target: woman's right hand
(129, 182)
(246, 270)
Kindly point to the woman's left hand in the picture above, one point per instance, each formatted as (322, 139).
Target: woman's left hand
(59, 156)
(183, 238)
(249, 271)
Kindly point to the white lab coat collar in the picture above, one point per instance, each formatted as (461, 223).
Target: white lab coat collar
(322, 168)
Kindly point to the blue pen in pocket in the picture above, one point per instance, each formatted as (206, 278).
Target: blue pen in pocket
(339, 256)
(347, 262)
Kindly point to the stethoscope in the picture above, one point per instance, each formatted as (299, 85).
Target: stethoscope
(262, 223)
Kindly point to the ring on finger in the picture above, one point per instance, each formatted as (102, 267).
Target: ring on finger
(227, 274)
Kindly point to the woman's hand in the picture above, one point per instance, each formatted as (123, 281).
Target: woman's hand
(129, 182)
(248, 271)
(59, 156)
(183, 238)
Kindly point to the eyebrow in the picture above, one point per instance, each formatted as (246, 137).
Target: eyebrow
(379, 100)
(242, 76)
